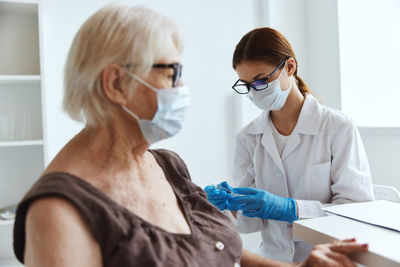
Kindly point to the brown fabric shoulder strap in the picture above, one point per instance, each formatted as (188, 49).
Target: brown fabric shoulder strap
(175, 169)
(97, 211)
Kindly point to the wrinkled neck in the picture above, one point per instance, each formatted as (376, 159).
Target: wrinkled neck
(115, 144)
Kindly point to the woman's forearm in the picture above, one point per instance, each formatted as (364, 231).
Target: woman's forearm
(250, 259)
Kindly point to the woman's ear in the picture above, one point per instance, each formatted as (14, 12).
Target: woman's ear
(111, 80)
(291, 66)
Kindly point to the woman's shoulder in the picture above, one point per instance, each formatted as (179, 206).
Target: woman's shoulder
(170, 160)
(54, 197)
(55, 220)
(167, 154)
(63, 186)
(334, 119)
(172, 164)
(254, 127)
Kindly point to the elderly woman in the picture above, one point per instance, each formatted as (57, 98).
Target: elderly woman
(106, 199)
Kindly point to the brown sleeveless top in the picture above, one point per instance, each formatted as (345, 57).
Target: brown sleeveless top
(127, 240)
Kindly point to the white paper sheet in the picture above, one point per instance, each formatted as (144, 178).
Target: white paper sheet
(380, 213)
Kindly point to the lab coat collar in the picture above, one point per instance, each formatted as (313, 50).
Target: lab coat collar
(267, 140)
(308, 123)
(310, 116)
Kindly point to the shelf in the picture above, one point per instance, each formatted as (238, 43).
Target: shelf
(21, 143)
(19, 1)
(19, 80)
(18, 8)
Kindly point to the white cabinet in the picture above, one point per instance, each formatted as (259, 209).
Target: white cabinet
(21, 113)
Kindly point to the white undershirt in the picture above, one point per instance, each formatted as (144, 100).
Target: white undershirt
(280, 139)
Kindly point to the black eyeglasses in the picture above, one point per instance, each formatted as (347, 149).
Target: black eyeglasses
(261, 84)
(175, 66)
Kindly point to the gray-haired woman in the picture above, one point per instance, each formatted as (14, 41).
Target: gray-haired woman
(106, 199)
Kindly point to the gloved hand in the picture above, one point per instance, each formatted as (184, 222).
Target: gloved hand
(219, 197)
(262, 204)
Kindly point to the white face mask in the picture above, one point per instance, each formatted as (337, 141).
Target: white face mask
(272, 98)
(172, 105)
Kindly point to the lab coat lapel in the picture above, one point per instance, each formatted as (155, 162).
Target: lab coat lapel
(307, 124)
(291, 145)
(269, 144)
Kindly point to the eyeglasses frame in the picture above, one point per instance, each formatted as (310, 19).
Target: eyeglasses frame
(248, 85)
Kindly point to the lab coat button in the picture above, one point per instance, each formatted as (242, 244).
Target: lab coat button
(290, 251)
(219, 246)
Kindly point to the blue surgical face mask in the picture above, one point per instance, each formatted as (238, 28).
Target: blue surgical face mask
(172, 105)
(272, 98)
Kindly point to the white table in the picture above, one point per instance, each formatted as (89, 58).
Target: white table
(384, 245)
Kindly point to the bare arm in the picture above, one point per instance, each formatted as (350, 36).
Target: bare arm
(249, 259)
(334, 254)
(57, 236)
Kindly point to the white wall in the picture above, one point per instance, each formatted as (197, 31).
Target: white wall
(311, 27)
(369, 42)
(211, 29)
(18, 21)
(382, 146)
(369, 46)
(323, 51)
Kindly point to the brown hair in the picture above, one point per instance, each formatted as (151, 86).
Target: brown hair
(268, 45)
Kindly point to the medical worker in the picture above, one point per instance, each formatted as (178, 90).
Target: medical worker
(295, 158)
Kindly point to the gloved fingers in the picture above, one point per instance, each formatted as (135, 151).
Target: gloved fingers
(220, 197)
(225, 184)
(221, 207)
(251, 213)
(209, 189)
(217, 201)
(213, 193)
(246, 190)
(232, 207)
(241, 200)
(220, 204)
(254, 206)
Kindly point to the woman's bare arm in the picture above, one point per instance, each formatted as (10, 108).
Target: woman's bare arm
(334, 254)
(249, 259)
(56, 236)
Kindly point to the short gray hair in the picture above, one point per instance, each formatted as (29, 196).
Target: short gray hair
(114, 34)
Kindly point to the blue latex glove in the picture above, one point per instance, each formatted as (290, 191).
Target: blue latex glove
(219, 197)
(262, 204)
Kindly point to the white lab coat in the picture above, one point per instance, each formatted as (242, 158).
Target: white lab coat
(323, 162)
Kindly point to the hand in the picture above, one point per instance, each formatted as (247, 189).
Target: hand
(218, 197)
(334, 254)
(262, 204)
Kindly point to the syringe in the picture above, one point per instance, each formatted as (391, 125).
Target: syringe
(233, 194)
(219, 187)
